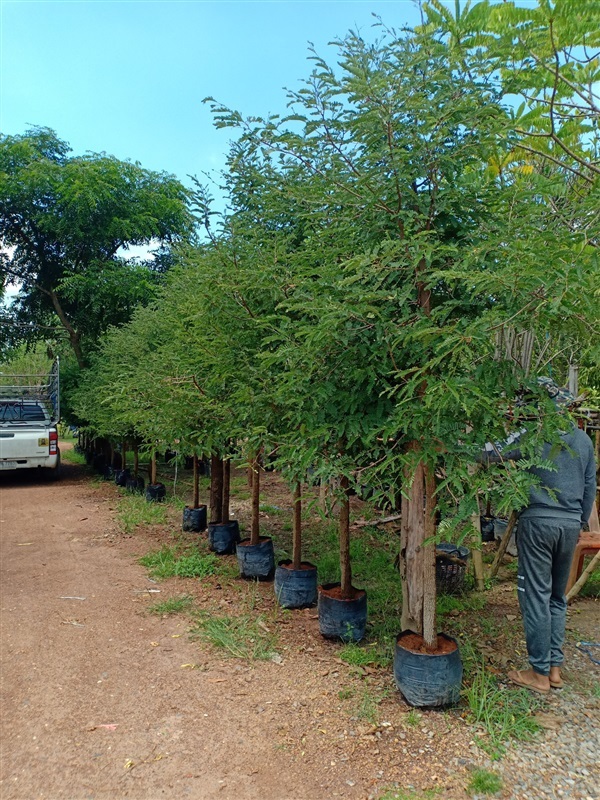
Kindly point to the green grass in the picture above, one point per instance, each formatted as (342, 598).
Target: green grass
(273, 510)
(72, 457)
(134, 510)
(484, 782)
(245, 637)
(410, 794)
(359, 655)
(169, 562)
(505, 715)
(173, 605)
(412, 719)
(591, 588)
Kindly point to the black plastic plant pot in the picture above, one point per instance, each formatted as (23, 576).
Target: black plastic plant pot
(108, 474)
(427, 679)
(296, 588)
(256, 560)
(122, 476)
(194, 519)
(340, 618)
(223, 537)
(156, 492)
(134, 484)
(487, 529)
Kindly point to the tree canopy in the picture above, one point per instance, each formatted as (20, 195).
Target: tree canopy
(66, 223)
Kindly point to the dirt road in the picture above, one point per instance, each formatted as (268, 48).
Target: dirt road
(95, 701)
(102, 700)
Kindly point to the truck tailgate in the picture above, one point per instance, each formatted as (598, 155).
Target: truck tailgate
(23, 444)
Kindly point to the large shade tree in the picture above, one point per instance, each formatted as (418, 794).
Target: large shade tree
(66, 223)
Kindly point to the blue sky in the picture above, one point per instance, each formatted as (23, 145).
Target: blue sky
(128, 77)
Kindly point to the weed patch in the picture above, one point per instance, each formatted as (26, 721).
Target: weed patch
(502, 714)
(168, 562)
(134, 510)
(173, 605)
(484, 782)
(242, 637)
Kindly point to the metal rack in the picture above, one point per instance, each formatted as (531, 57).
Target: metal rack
(37, 388)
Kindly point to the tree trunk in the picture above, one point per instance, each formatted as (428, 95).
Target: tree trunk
(429, 587)
(255, 527)
(297, 534)
(216, 489)
(412, 534)
(196, 479)
(344, 532)
(226, 489)
(73, 335)
(153, 468)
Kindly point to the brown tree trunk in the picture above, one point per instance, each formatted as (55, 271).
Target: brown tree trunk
(73, 335)
(216, 489)
(429, 587)
(153, 467)
(412, 534)
(196, 479)
(297, 533)
(255, 527)
(417, 560)
(226, 489)
(344, 533)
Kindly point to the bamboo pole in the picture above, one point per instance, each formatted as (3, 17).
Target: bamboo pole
(578, 586)
(512, 520)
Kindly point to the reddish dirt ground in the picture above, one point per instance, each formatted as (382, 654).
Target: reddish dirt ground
(100, 699)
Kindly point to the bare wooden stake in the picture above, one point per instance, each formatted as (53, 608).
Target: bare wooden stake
(512, 520)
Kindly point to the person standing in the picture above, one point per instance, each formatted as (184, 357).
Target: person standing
(547, 534)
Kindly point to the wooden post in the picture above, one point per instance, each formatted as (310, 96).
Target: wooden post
(512, 520)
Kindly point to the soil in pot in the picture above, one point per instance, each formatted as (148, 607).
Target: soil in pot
(256, 560)
(194, 519)
(340, 618)
(296, 588)
(223, 537)
(156, 492)
(427, 679)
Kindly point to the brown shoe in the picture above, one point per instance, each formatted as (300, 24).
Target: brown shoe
(526, 679)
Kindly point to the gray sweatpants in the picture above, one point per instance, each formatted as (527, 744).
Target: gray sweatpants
(546, 548)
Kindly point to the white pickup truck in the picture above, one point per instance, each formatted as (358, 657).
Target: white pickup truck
(29, 415)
